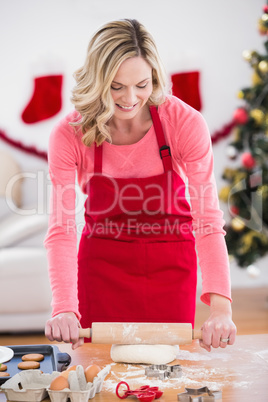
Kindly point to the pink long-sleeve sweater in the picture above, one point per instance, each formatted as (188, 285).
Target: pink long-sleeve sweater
(69, 159)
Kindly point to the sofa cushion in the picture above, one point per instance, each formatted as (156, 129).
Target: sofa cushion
(24, 281)
(16, 227)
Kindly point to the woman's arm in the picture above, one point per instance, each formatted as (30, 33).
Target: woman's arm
(61, 239)
(197, 157)
(195, 150)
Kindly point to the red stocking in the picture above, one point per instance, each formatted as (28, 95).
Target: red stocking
(46, 99)
(186, 87)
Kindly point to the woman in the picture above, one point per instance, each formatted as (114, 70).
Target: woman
(133, 147)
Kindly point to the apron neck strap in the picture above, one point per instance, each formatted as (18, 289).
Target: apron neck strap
(98, 159)
(164, 149)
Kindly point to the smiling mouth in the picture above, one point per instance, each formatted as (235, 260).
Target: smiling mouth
(126, 107)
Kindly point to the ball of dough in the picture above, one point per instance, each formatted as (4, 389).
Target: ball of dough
(144, 354)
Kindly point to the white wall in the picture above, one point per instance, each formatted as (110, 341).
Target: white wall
(41, 37)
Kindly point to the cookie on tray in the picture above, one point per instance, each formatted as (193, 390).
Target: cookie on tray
(3, 367)
(37, 357)
(28, 365)
(4, 374)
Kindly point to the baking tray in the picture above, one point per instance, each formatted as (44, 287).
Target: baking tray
(54, 360)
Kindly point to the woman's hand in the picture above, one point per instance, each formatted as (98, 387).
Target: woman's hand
(218, 330)
(64, 327)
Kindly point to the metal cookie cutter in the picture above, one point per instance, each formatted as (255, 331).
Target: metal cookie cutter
(199, 395)
(162, 371)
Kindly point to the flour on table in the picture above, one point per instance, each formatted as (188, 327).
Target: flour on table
(192, 376)
(144, 354)
(263, 354)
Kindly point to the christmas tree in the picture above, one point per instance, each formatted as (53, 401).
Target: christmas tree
(246, 190)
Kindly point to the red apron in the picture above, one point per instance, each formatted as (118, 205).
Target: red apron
(137, 259)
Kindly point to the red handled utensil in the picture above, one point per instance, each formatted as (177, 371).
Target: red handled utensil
(144, 393)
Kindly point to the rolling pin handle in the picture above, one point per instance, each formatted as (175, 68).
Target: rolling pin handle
(85, 333)
(197, 334)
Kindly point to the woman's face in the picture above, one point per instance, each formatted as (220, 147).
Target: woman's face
(131, 87)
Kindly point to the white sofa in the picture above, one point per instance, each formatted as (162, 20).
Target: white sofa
(24, 285)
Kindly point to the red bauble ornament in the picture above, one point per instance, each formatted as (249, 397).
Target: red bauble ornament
(240, 116)
(247, 160)
(234, 210)
(265, 9)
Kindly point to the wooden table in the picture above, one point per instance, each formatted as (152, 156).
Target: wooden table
(240, 371)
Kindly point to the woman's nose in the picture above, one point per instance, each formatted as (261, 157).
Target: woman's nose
(130, 97)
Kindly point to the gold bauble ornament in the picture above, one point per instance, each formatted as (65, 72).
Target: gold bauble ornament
(229, 173)
(238, 180)
(263, 66)
(263, 192)
(257, 115)
(264, 17)
(237, 224)
(256, 79)
(261, 27)
(247, 55)
(240, 94)
(252, 241)
(237, 134)
(245, 243)
(224, 193)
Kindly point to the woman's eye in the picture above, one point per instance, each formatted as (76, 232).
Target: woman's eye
(138, 86)
(141, 86)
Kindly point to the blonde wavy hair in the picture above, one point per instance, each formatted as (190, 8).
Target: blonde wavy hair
(109, 47)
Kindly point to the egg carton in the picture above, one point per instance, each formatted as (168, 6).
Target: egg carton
(80, 390)
(30, 386)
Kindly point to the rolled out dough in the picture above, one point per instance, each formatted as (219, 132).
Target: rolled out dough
(144, 354)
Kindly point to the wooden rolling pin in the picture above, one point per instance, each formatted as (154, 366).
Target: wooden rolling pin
(140, 333)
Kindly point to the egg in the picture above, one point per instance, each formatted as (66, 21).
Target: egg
(59, 383)
(71, 368)
(91, 372)
(65, 373)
